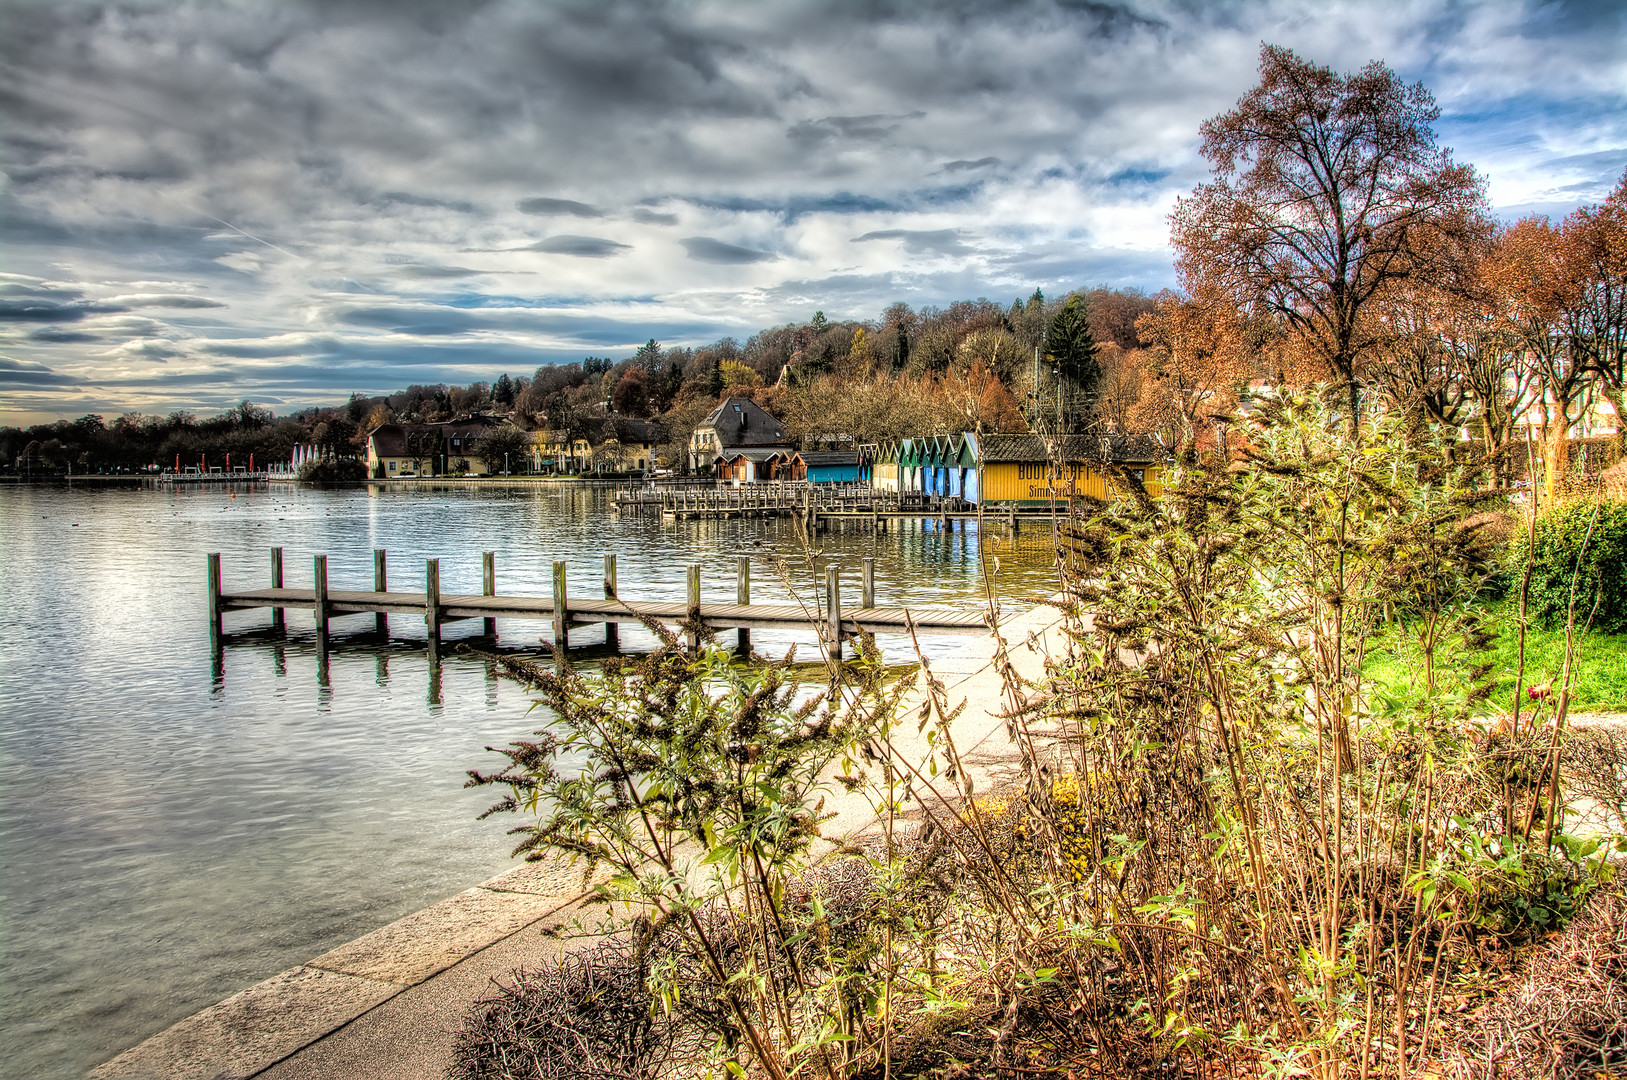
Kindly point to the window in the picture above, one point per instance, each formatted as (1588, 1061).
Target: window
(392, 466)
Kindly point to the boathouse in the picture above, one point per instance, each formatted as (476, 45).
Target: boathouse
(1029, 470)
(751, 465)
(826, 466)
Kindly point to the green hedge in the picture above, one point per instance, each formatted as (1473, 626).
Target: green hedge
(1600, 567)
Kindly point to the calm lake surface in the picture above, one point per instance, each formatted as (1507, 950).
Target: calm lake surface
(167, 838)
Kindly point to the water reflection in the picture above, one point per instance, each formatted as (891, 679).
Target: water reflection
(179, 821)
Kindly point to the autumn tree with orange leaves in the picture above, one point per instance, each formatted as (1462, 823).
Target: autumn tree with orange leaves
(1328, 189)
(1198, 357)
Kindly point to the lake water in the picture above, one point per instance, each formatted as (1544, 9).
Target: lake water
(168, 838)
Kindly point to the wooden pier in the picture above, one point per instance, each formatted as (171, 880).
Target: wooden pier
(691, 616)
(807, 501)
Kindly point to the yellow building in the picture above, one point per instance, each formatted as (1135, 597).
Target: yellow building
(1031, 470)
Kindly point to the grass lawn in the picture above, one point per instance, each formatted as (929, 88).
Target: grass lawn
(1598, 684)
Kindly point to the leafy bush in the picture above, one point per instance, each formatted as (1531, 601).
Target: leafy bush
(1584, 542)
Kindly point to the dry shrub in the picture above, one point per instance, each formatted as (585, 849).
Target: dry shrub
(1596, 760)
(586, 1017)
(1566, 1019)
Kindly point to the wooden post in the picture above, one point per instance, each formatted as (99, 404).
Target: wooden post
(612, 632)
(694, 606)
(278, 622)
(319, 581)
(488, 585)
(742, 596)
(432, 607)
(214, 600)
(562, 612)
(833, 610)
(381, 621)
(869, 583)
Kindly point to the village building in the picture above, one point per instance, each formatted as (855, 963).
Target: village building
(601, 444)
(447, 448)
(737, 424)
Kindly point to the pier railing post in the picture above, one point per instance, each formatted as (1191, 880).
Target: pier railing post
(488, 585)
(694, 607)
(612, 632)
(562, 612)
(278, 620)
(319, 579)
(381, 584)
(869, 595)
(742, 596)
(214, 600)
(833, 609)
(432, 606)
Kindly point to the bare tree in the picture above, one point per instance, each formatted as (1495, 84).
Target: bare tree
(1327, 190)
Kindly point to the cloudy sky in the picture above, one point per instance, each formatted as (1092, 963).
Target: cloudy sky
(285, 201)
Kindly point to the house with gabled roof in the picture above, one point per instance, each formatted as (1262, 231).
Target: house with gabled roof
(738, 423)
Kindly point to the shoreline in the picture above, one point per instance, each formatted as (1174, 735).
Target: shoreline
(356, 1010)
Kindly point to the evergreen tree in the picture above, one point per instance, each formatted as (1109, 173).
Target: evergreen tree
(1071, 349)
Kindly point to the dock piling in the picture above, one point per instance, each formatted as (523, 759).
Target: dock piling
(562, 612)
(432, 607)
(319, 578)
(214, 600)
(868, 598)
(488, 586)
(278, 620)
(694, 612)
(742, 596)
(612, 631)
(381, 621)
(833, 610)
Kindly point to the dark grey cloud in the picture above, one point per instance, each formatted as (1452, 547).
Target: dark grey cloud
(874, 128)
(63, 337)
(26, 373)
(435, 272)
(300, 178)
(922, 241)
(194, 303)
(407, 198)
(558, 207)
(967, 166)
(587, 247)
(706, 249)
(31, 311)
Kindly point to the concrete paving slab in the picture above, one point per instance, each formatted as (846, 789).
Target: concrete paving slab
(411, 949)
(250, 1030)
(409, 1037)
(549, 877)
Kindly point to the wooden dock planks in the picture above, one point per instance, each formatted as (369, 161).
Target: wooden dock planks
(582, 612)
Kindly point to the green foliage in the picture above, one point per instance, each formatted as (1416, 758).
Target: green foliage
(332, 472)
(698, 784)
(1071, 347)
(1330, 846)
(1599, 665)
(504, 445)
(1578, 542)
